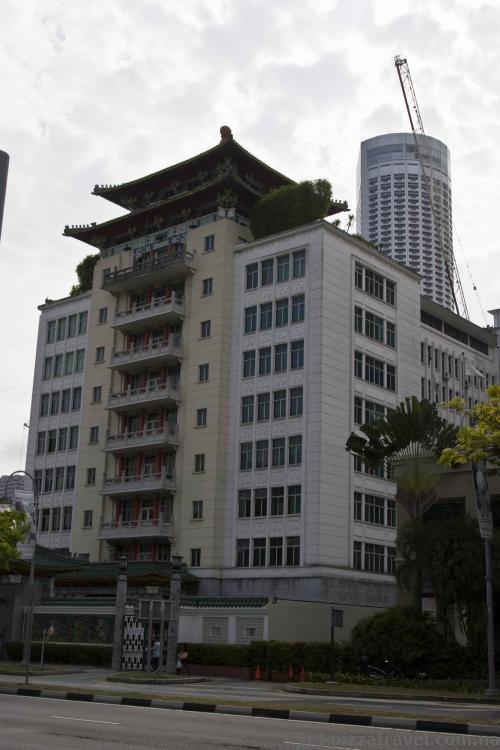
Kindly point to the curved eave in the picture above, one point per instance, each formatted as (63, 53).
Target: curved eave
(88, 233)
(116, 193)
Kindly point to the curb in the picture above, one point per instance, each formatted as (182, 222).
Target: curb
(390, 696)
(382, 722)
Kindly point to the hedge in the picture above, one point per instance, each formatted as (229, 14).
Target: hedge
(97, 655)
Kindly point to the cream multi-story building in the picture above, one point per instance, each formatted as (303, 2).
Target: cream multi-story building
(223, 376)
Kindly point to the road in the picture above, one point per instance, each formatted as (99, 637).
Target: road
(220, 690)
(51, 724)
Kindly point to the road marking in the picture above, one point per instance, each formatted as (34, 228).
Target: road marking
(323, 747)
(93, 721)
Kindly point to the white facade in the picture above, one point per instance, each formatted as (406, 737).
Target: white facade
(394, 211)
(57, 406)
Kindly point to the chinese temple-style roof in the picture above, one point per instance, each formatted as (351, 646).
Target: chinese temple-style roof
(48, 563)
(226, 175)
(104, 573)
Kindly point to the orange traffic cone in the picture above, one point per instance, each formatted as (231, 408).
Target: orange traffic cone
(257, 672)
(302, 674)
(290, 673)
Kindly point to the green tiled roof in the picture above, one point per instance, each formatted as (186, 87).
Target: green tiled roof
(223, 602)
(108, 571)
(48, 562)
(81, 602)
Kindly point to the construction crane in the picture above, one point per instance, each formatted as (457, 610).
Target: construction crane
(424, 156)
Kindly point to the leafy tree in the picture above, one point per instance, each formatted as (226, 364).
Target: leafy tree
(481, 440)
(291, 206)
(13, 529)
(85, 273)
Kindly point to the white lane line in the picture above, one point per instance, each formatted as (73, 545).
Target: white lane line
(92, 721)
(323, 747)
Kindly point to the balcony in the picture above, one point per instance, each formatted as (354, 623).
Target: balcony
(131, 442)
(171, 262)
(142, 484)
(154, 313)
(122, 530)
(134, 399)
(158, 352)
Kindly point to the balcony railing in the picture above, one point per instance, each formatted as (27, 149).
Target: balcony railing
(174, 261)
(144, 483)
(160, 310)
(155, 352)
(138, 529)
(154, 393)
(131, 441)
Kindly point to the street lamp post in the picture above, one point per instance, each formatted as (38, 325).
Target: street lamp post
(31, 580)
(121, 601)
(173, 624)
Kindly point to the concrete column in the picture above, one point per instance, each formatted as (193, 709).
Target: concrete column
(121, 601)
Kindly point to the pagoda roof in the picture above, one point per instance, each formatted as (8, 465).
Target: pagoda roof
(103, 573)
(48, 562)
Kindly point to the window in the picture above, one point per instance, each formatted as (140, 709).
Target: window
(45, 520)
(296, 401)
(54, 402)
(282, 268)
(56, 519)
(244, 504)
(44, 404)
(51, 332)
(278, 451)
(282, 312)
(275, 551)
(391, 378)
(390, 334)
(259, 552)
(72, 326)
(65, 400)
(263, 406)
(91, 476)
(246, 456)
(40, 443)
(102, 315)
(277, 501)
(262, 454)
(374, 371)
(358, 276)
(299, 264)
(374, 558)
(77, 399)
(251, 319)
(279, 404)
(358, 364)
(374, 327)
(203, 373)
(249, 364)
(374, 284)
(67, 517)
(391, 513)
(252, 274)
(61, 329)
(201, 417)
(80, 358)
(294, 499)
(209, 243)
(197, 510)
(47, 368)
(59, 479)
(199, 462)
(48, 480)
(70, 478)
(298, 308)
(196, 557)
(87, 518)
(62, 441)
(293, 550)
(266, 316)
(260, 502)
(280, 357)
(242, 553)
(358, 410)
(297, 354)
(68, 363)
(391, 560)
(374, 509)
(51, 441)
(205, 329)
(295, 450)
(96, 394)
(58, 365)
(99, 354)
(38, 480)
(73, 438)
(356, 555)
(94, 435)
(207, 287)
(265, 360)
(247, 409)
(390, 292)
(266, 271)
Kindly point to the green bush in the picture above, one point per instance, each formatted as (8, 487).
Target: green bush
(96, 655)
(228, 655)
(290, 206)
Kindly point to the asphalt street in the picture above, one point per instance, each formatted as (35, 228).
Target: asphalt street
(265, 692)
(51, 724)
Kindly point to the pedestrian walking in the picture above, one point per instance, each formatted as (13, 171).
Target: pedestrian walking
(182, 660)
(155, 655)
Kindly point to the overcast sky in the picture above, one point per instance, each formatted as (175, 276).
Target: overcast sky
(104, 91)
